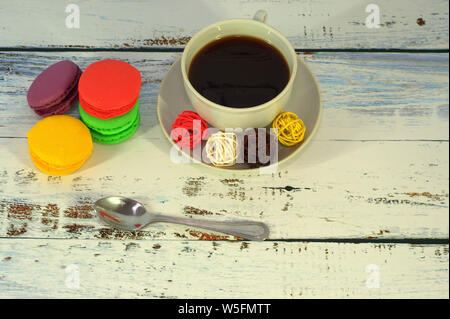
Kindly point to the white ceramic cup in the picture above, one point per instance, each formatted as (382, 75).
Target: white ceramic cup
(223, 117)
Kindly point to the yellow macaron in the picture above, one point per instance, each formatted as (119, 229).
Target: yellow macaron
(59, 144)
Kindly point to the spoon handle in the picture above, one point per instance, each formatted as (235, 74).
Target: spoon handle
(245, 229)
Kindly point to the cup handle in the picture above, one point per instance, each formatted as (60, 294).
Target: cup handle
(261, 16)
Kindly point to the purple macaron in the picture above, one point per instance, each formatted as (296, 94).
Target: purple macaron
(55, 90)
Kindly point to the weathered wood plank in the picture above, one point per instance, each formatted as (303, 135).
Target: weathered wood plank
(307, 24)
(338, 189)
(365, 96)
(378, 166)
(114, 269)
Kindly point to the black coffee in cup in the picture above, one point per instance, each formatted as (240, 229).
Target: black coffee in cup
(239, 71)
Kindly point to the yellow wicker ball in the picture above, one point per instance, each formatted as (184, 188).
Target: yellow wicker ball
(291, 129)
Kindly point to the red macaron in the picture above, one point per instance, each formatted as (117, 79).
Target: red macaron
(109, 88)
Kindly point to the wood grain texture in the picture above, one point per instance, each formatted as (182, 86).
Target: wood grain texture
(365, 96)
(308, 24)
(354, 194)
(376, 170)
(167, 269)
(378, 167)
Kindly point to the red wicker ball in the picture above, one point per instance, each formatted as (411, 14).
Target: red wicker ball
(186, 132)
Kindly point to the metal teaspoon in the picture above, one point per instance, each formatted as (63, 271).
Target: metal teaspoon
(128, 214)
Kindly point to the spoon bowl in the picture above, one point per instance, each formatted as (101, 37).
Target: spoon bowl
(122, 212)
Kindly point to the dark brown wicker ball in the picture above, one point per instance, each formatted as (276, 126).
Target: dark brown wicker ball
(252, 148)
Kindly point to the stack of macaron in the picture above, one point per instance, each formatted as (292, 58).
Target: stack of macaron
(109, 100)
(108, 94)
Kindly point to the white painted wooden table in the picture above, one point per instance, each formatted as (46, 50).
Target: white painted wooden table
(363, 212)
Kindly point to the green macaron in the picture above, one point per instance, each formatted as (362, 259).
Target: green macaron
(114, 130)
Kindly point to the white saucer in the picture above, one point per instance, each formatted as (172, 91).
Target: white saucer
(304, 101)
